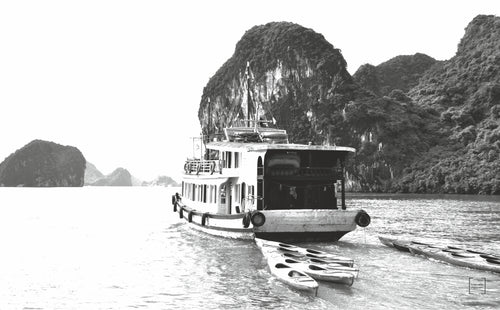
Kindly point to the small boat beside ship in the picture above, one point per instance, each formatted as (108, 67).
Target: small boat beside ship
(450, 254)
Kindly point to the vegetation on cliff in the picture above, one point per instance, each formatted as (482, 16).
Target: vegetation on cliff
(465, 91)
(401, 72)
(419, 125)
(43, 164)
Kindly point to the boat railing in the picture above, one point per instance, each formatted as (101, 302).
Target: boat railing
(280, 171)
(256, 134)
(197, 166)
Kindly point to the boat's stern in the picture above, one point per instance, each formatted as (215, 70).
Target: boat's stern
(309, 224)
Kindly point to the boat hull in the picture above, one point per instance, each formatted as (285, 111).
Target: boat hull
(278, 225)
(306, 225)
(302, 236)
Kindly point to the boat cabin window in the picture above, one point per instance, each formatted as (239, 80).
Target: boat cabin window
(237, 191)
(231, 159)
(251, 191)
(223, 194)
(237, 159)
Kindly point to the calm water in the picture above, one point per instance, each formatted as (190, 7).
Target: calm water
(123, 248)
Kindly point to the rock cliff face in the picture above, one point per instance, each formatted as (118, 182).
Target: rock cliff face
(43, 164)
(298, 78)
(119, 177)
(419, 125)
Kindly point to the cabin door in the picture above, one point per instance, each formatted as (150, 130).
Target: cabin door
(243, 196)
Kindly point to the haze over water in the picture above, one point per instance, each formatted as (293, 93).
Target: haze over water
(124, 248)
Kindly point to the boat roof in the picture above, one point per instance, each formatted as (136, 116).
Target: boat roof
(259, 147)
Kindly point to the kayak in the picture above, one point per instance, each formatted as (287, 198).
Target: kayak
(321, 273)
(450, 254)
(330, 272)
(304, 252)
(292, 276)
(276, 255)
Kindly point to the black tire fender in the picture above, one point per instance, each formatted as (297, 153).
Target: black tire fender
(258, 219)
(362, 219)
(246, 219)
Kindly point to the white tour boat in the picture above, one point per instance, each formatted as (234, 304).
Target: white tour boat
(254, 183)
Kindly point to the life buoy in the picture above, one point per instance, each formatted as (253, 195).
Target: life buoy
(190, 216)
(246, 220)
(204, 219)
(212, 167)
(186, 167)
(258, 219)
(181, 215)
(362, 218)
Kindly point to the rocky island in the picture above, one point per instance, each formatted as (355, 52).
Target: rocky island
(43, 164)
(419, 125)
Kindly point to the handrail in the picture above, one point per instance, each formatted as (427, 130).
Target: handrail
(198, 166)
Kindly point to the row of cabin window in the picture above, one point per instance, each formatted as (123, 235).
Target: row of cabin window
(208, 193)
(250, 190)
(200, 192)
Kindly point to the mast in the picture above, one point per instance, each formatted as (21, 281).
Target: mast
(249, 99)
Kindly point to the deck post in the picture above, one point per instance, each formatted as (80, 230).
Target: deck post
(342, 184)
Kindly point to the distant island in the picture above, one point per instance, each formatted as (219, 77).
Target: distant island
(43, 164)
(48, 164)
(419, 125)
(122, 177)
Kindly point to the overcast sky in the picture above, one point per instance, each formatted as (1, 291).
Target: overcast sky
(122, 80)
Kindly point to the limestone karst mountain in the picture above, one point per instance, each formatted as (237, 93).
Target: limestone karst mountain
(419, 125)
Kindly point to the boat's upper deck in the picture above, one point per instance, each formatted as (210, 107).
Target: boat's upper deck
(262, 146)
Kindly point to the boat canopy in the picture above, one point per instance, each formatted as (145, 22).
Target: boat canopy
(259, 147)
